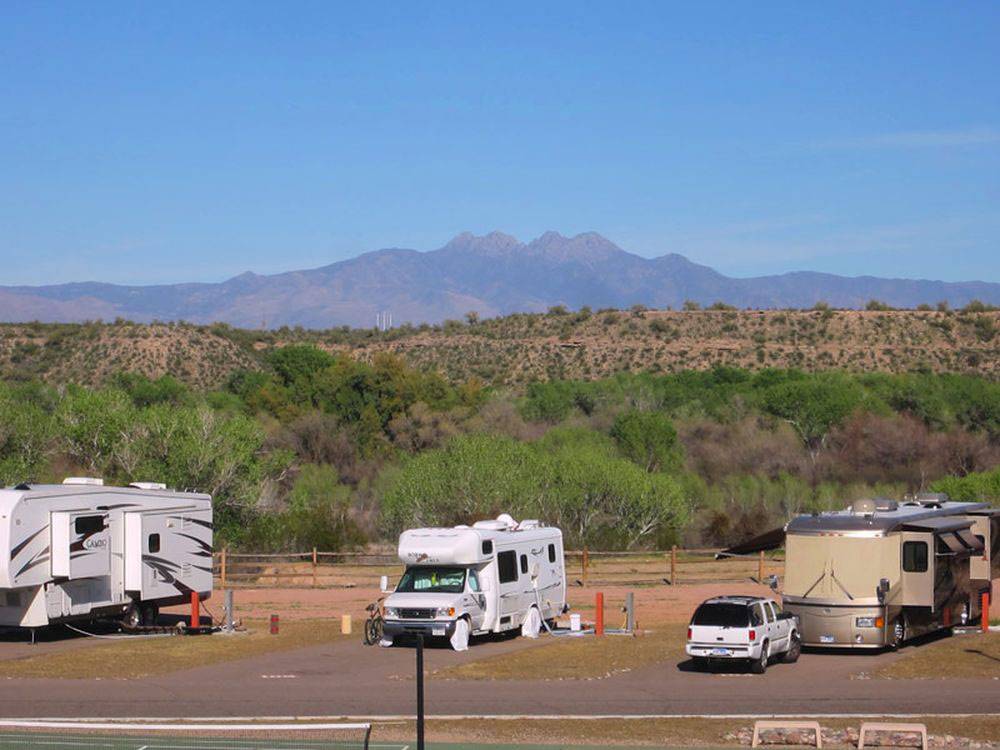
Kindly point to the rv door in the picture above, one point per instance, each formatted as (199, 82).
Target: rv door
(917, 569)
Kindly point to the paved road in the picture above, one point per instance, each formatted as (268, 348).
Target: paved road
(347, 679)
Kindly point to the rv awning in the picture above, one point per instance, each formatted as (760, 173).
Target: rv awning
(953, 543)
(971, 541)
(937, 525)
(768, 540)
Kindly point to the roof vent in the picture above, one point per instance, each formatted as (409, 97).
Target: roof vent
(148, 485)
(531, 523)
(87, 481)
(933, 499)
(885, 505)
(863, 507)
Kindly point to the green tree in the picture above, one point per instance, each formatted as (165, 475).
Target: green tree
(26, 433)
(647, 439)
(813, 406)
(317, 515)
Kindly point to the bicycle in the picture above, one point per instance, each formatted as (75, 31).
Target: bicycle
(373, 624)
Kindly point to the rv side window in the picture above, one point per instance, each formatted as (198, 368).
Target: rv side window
(552, 553)
(488, 547)
(524, 564)
(89, 524)
(507, 566)
(473, 581)
(154, 543)
(915, 557)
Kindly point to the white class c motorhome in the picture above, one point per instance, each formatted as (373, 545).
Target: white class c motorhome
(490, 577)
(81, 550)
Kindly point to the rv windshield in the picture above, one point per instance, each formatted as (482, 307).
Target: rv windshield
(428, 579)
(722, 615)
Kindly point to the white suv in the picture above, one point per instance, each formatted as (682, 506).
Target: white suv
(748, 628)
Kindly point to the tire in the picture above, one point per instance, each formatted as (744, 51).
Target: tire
(149, 613)
(794, 649)
(759, 666)
(532, 625)
(898, 634)
(460, 638)
(133, 616)
(373, 631)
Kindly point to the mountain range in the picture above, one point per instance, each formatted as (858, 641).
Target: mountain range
(494, 274)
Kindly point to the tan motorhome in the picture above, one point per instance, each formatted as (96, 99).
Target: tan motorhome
(881, 572)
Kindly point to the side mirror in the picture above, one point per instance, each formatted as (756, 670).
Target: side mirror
(383, 584)
(772, 581)
(882, 590)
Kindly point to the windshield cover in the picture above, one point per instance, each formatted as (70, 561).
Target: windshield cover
(428, 579)
(722, 615)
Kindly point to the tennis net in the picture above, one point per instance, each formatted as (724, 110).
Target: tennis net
(169, 735)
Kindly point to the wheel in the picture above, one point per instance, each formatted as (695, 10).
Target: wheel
(460, 638)
(794, 649)
(149, 613)
(373, 630)
(759, 666)
(133, 616)
(532, 624)
(898, 634)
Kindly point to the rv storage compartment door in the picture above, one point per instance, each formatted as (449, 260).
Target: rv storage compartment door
(81, 544)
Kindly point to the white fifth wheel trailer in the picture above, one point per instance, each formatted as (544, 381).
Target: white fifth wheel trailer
(80, 550)
(487, 578)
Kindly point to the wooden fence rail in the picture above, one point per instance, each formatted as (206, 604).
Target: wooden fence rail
(317, 569)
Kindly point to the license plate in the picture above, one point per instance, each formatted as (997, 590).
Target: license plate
(826, 639)
(721, 652)
(439, 631)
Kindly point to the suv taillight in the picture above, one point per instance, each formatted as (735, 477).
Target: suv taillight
(689, 634)
(753, 636)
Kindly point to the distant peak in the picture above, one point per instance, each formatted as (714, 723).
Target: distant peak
(492, 242)
(585, 246)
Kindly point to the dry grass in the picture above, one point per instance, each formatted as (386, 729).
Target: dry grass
(586, 657)
(132, 658)
(960, 656)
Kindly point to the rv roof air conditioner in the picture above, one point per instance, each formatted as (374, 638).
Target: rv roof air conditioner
(88, 481)
(490, 525)
(863, 507)
(148, 485)
(885, 505)
(503, 522)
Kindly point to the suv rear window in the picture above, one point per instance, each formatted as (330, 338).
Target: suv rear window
(722, 615)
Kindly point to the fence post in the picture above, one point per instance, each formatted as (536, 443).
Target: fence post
(760, 567)
(314, 567)
(586, 564)
(985, 611)
(673, 565)
(222, 567)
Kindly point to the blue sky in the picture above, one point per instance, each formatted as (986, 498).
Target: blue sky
(148, 143)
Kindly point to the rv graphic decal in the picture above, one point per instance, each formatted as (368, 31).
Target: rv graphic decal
(17, 550)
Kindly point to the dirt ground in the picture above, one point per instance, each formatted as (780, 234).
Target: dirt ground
(654, 604)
